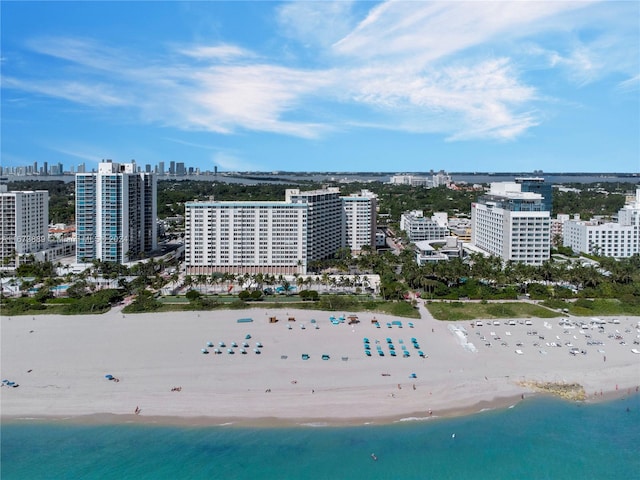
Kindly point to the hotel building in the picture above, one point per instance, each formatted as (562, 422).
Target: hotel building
(512, 224)
(116, 213)
(276, 237)
(420, 228)
(24, 219)
(619, 239)
(324, 220)
(246, 237)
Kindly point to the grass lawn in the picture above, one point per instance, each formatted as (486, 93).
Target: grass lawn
(350, 304)
(472, 310)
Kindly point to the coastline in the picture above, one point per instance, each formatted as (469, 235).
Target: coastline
(151, 354)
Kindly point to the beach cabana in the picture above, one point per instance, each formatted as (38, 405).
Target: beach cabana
(325, 357)
(305, 356)
(367, 353)
(421, 353)
(205, 351)
(247, 336)
(273, 319)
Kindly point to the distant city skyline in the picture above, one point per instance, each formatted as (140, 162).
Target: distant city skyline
(323, 86)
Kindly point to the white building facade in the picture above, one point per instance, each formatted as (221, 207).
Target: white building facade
(246, 237)
(116, 213)
(23, 224)
(420, 228)
(325, 232)
(512, 224)
(611, 239)
(359, 220)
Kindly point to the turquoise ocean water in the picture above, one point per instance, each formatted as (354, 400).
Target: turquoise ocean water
(540, 438)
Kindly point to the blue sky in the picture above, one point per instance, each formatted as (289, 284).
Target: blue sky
(324, 86)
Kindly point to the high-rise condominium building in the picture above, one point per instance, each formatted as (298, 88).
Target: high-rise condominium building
(115, 213)
(245, 237)
(619, 239)
(359, 220)
(324, 220)
(276, 237)
(512, 224)
(24, 219)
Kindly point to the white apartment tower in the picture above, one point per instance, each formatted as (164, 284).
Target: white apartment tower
(116, 213)
(324, 220)
(512, 224)
(359, 211)
(611, 239)
(245, 237)
(23, 224)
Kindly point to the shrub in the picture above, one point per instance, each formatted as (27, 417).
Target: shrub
(192, 295)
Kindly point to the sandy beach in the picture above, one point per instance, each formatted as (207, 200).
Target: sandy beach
(61, 364)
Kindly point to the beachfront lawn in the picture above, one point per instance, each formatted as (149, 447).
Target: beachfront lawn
(332, 303)
(453, 311)
(590, 308)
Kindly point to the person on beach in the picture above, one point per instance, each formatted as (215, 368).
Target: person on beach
(137, 410)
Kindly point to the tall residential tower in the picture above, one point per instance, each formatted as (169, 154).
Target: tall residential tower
(115, 213)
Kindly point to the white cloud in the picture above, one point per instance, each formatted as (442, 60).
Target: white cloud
(316, 23)
(428, 31)
(92, 94)
(453, 68)
(231, 162)
(215, 52)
